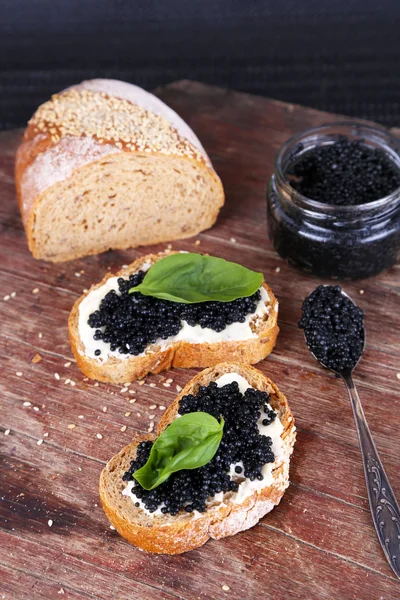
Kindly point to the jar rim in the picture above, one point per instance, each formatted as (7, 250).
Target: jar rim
(386, 138)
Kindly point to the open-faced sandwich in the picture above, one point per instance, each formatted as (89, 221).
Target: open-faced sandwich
(177, 309)
(218, 463)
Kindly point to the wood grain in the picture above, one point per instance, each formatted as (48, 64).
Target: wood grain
(320, 542)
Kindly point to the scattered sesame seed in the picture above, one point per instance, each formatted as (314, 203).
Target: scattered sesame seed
(128, 414)
(132, 401)
(124, 266)
(123, 428)
(72, 382)
(112, 527)
(85, 290)
(50, 522)
(13, 294)
(86, 379)
(361, 292)
(77, 274)
(277, 270)
(152, 417)
(6, 298)
(398, 375)
(99, 436)
(60, 591)
(39, 442)
(35, 291)
(36, 408)
(57, 376)
(40, 335)
(178, 388)
(46, 434)
(105, 408)
(80, 417)
(141, 382)
(127, 384)
(161, 407)
(27, 403)
(170, 380)
(132, 391)
(67, 364)
(138, 414)
(123, 390)
(82, 271)
(233, 240)
(79, 468)
(71, 426)
(169, 247)
(197, 243)
(153, 406)
(7, 432)
(67, 381)
(166, 384)
(152, 385)
(226, 588)
(96, 384)
(19, 373)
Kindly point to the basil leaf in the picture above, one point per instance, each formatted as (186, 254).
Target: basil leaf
(188, 443)
(190, 278)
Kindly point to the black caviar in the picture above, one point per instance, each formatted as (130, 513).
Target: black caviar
(345, 172)
(241, 442)
(130, 322)
(334, 327)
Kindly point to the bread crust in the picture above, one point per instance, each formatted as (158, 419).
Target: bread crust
(174, 535)
(36, 144)
(180, 354)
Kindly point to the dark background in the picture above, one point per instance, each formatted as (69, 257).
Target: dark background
(337, 55)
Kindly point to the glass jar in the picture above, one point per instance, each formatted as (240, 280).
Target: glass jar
(328, 240)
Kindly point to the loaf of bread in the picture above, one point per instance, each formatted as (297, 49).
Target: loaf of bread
(105, 165)
(233, 512)
(254, 342)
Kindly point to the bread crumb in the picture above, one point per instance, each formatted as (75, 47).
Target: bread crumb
(123, 428)
(226, 588)
(19, 373)
(35, 291)
(71, 426)
(67, 364)
(128, 414)
(99, 436)
(7, 432)
(277, 270)
(178, 388)
(105, 409)
(37, 358)
(57, 376)
(50, 522)
(39, 442)
(27, 403)
(233, 240)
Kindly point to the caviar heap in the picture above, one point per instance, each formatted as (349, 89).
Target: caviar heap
(241, 442)
(334, 327)
(130, 322)
(346, 172)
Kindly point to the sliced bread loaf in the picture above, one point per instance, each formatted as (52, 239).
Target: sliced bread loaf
(227, 515)
(105, 164)
(249, 343)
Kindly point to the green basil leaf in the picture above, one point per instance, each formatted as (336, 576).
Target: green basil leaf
(190, 278)
(189, 442)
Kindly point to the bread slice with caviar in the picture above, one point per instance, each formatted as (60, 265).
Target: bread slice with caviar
(226, 513)
(247, 342)
(105, 164)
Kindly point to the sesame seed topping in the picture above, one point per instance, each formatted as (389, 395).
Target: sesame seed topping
(152, 417)
(153, 406)
(398, 375)
(166, 384)
(67, 381)
(170, 380)
(128, 414)
(6, 298)
(13, 294)
(67, 364)
(132, 400)
(35, 291)
(71, 426)
(39, 442)
(152, 385)
(27, 403)
(108, 119)
(141, 382)
(7, 432)
(57, 376)
(99, 436)
(80, 416)
(226, 588)
(277, 270)
(233, 240)
(123, 390)
(178, 388)
(50, 522)
(105, 408)
(19, 373)
(161, 407)
(123, 428)
(40, 335)
(46, 434)
(36, 408)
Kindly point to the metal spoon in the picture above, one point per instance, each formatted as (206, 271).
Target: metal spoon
(383, 504)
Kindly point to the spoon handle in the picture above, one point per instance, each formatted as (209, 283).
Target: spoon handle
(383, 504)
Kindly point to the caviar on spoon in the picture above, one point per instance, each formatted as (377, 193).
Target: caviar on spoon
(334, 332)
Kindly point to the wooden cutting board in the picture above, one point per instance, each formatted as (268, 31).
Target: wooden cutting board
(319, 543)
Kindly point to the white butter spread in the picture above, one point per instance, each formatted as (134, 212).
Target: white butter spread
(193, 334)
(246, 487)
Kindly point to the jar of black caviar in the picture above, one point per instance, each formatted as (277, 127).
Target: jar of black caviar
(350, 229)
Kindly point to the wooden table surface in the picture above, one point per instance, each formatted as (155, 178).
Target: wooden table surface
(319, 543)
